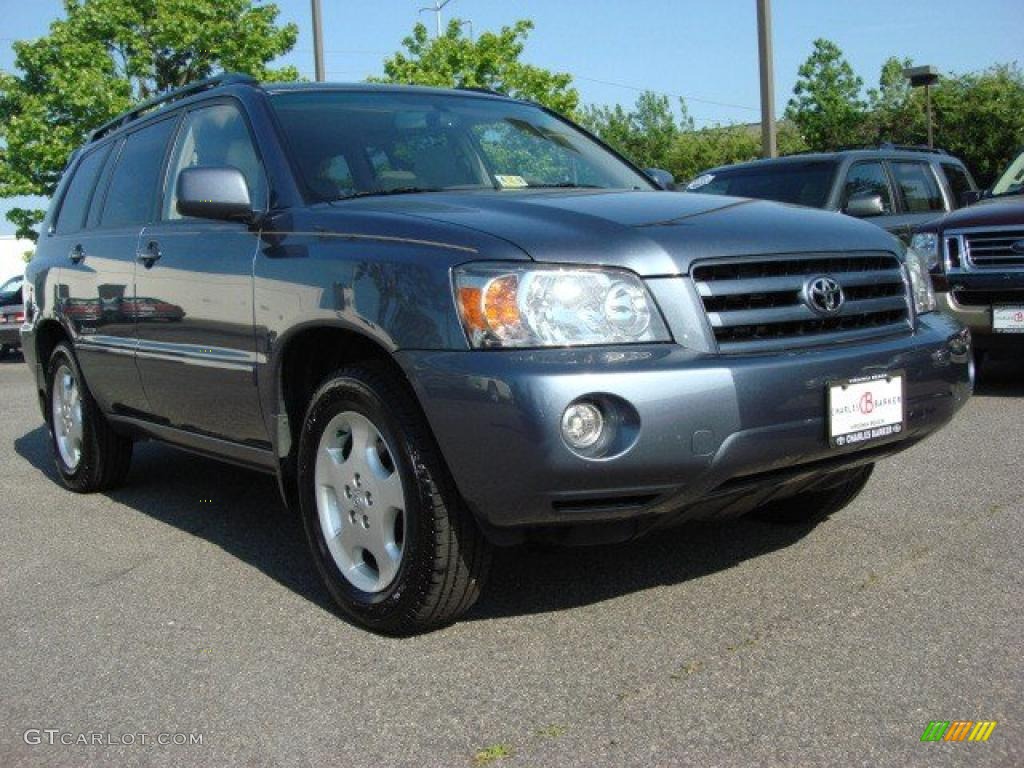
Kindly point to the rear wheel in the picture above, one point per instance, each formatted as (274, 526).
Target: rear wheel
(391, 537)
(89, 455)
(814, 506)
(4, 351)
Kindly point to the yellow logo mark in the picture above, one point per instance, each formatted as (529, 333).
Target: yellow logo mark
(982, 730)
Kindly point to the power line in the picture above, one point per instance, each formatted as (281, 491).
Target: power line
(665, 93)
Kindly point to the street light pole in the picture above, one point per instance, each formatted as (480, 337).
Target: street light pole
(436, 10)
(926, 76)
(318, 41)
(928, 102)
(764, 49)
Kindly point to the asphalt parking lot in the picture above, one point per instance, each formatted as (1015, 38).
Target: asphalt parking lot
(184, 603)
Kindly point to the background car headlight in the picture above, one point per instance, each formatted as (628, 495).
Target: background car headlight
(927, 245)
(920, 282)
(512, 305)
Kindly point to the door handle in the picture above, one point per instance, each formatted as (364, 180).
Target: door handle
(151, 255)
(76, 254)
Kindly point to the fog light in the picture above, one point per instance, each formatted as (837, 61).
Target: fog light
(582, 425)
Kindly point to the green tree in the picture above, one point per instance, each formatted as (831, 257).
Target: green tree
(826, 106)
(979, 117)
(893, 114)
(104, 56)
(644, 134)
(697, 151)
(491, 61)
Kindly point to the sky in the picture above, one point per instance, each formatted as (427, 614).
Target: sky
(703, 50)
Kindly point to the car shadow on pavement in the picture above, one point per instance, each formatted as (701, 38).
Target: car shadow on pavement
(532, 579)
(240, 511)
(1001, 377)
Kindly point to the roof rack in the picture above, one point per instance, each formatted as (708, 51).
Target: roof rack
(225, 78)
(481, 89)
(913, 148)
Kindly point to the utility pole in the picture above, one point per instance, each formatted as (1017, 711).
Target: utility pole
(318, 41)
(436, 10)
(764, 49)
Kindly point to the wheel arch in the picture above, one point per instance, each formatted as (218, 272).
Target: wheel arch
(48, 334)
(301, 363)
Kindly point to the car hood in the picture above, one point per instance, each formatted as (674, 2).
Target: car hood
(994, 212)
(652, 233)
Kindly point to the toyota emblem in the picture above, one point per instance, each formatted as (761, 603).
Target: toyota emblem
(824, 295)
(1017, 247)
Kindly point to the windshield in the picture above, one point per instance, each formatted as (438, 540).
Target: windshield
(800, 183)
(1012, 180)
(353, 143)
(11, 287)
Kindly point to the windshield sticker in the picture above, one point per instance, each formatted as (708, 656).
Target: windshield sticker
(511, 182)
(700, 181)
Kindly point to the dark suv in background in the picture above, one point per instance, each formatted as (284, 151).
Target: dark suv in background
(448, 319)
(12, 315)
(897, 188)
(976, 257)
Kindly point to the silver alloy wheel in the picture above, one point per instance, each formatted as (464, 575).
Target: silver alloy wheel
(67, 417)
(360, 501)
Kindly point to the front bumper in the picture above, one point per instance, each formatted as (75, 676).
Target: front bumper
(979, 320)
(707, 424)
(10, 335)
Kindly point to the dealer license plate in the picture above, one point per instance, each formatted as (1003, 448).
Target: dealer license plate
(866, 409)
(1008, 319)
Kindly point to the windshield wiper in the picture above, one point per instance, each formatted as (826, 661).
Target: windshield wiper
(564, 185)
(395, 191)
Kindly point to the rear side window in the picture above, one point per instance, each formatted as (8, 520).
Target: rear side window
(76, 201)
(959, 182)
(920, 189)
(136, 179)
(867, 179)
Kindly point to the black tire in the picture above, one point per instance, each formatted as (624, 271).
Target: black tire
(814, 506)
(4, 351)
(445, 557)
(106, 456)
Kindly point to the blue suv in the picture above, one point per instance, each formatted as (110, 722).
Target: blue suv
(447, 320)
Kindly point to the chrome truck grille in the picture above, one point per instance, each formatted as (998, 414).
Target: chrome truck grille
(984, 249)
(758, 304)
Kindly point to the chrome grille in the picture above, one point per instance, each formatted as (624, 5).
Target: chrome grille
(993, 249)
(758, 304)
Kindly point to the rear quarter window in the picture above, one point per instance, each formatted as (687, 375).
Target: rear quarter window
(71, 217)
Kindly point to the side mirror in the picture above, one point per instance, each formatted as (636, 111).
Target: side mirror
(971, 196)
(865, 205)
(214, 193)
(663, 179)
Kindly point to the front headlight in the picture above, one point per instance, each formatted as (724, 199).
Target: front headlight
(927, 244)
(513, 305)
(920, 281)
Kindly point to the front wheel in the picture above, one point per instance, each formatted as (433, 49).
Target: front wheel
(389, 534)
(814, 506)
(89, 454)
